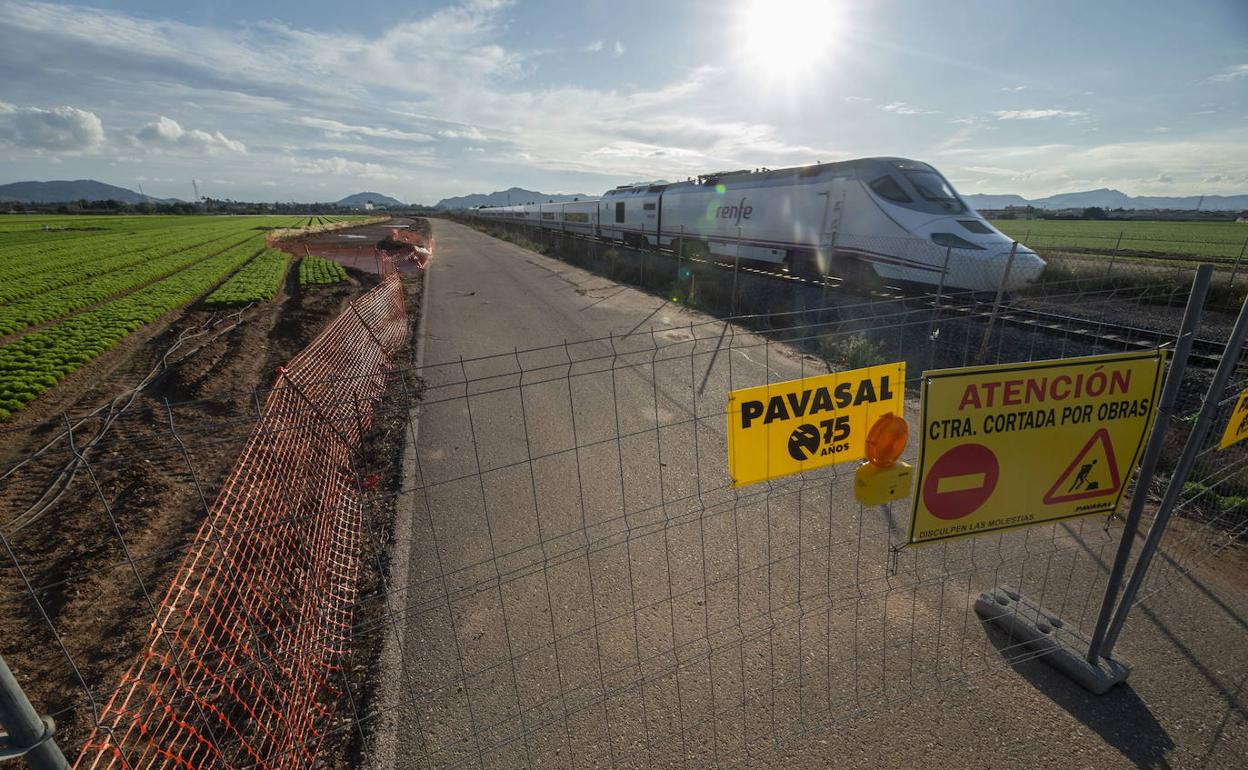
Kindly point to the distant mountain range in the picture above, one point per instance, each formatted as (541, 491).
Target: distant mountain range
(359, 199)
(61, 191)
(1111, 199)
(515, 195)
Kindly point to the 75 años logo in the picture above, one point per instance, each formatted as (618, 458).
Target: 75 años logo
(806, 439)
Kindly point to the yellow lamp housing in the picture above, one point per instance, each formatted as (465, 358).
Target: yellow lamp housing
(874, 485)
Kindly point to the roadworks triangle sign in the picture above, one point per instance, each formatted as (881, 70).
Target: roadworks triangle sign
(1093, 473)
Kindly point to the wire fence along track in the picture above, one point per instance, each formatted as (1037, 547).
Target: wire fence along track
(586, 587)
(1127, 296)
(242, 663)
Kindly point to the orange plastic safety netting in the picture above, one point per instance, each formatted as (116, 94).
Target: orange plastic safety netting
(243, 666)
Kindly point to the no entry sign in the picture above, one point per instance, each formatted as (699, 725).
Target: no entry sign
(961, 481)
(1020, 444)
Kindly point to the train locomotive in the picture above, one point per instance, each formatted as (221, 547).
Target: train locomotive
(871, 221)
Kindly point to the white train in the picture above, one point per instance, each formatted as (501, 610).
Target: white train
(891, 220)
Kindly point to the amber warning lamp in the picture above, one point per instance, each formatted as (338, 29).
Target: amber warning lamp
(883, 477)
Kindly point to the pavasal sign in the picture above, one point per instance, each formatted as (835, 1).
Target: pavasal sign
(1019, 444)
(788, 427)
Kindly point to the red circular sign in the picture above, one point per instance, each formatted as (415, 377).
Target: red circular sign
(960, 481)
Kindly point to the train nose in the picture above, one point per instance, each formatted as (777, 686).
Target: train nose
(988, 272)
(1025, 270)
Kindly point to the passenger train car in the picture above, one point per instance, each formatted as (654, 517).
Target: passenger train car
(874, 219)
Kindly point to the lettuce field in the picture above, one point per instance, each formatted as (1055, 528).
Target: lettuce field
(1216, 241)
(77, 286)
(258, 281)
(317, 271)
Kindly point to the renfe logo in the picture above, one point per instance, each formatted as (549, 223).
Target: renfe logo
(737, 212)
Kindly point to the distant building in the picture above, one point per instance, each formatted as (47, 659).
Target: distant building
(368, 205)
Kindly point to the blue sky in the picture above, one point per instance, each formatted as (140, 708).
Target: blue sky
(313, 100)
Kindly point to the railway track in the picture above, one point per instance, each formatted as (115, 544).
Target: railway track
(1205, 353)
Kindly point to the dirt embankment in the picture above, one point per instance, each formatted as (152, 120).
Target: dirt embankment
(95, 561)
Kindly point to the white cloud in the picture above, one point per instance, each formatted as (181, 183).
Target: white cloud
(468, 132)
(60, 129)
(618, 50)
(901, 108)
(1037, 114)
(167, 135)
(336, 128)
(594, 46)
(338, 166)
(1014, 89)
(640, 150)
(1209, 163)
(1231, 74)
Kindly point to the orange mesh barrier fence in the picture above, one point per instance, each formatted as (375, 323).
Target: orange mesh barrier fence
(243, 666)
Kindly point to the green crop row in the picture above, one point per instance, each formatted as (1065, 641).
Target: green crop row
(1223, 240)
(258, 281)
(75, 239)
(62, 301)
(49, 267)
(316, 271)
(38, 361)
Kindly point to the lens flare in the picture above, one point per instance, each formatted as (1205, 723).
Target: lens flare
(787, 39)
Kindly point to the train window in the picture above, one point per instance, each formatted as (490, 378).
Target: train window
(975, 226)
(648, 206)
(933, 187)
(619, 211)
(953, 241)
(887, 187)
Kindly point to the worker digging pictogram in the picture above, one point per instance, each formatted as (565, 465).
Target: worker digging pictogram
(1092, 473)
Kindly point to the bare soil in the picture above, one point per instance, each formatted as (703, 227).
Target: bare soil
(78, 585)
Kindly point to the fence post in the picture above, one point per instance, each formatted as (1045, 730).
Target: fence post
(1114, 254)
(736, 260)
(1204, 420)
(1235, 269)
(1026, 235)
(27, 734)
(1169, 394)
(680, 251)
(642, 249)
(931, 319)
(996, 305)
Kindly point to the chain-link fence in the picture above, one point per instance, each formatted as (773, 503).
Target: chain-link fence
(553, 567)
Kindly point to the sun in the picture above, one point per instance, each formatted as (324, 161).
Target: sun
(788, 39)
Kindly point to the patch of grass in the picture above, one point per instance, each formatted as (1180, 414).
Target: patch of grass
(854, 351)
(1153, 286)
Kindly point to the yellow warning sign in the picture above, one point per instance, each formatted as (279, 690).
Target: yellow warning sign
(789, 427)
(1237, 425)
(1020, 444)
